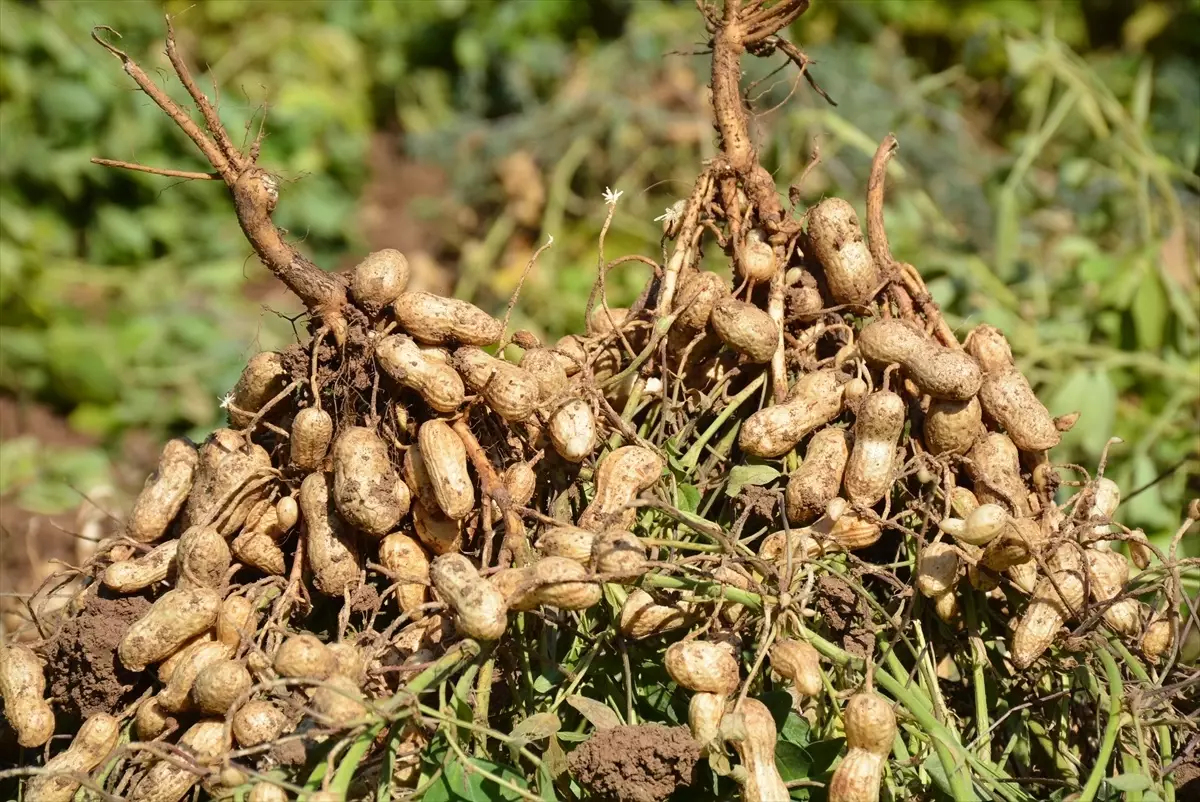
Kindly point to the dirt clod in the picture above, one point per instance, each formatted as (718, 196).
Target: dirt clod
(843, 612)
(636, 764)
(85, 675)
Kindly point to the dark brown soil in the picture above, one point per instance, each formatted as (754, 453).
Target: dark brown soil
(289, 753)
(1187, 782)
(635, 764)
(365, 599)
(843, 612)
(85, 675)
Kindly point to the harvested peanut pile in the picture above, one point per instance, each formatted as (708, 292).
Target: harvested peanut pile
(430, 556)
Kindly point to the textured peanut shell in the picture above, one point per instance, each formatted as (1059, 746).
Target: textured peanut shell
(97, 737)
(937, 569)
(164, 493)
(848, 530)
(814, 400)
(227, 464)
(407, 364)
(547, 369)
(1008, 399)
(571, 353)
(151, 720)
(799, 662)
(259, 551)
(746, 329)
(990, 348)
(258, 722)
(756, 262)
(837, 243)
(695, 300)
(705, 711)
(417, 477)
(480, 609)
(618, 555)
(263, 378)
(442, 321)
(870, 723)
(365, 483)
(438, 533)
(562, 583)
(757, 753)
(702, 666)
(1157, 639)
(938, 371)
(872, 463)
(175, 697)
(130, 576)
(409, 565)
(218, 685)
(202, 559)
(994, 466)
(572, 430)
(445, 460)
(641, 617)
(304, 656)
(857, 778)
(953, 427)
(512, 392)
(330, 546)
(773, 548)
(567, 541)
(176, 617)
(516, 586)
(236, 620)
(520, 480)
(23, 686)
(312, 429)
(817, 481)
(1047, 608)
(620, 477)
(166, 781)
(378, 280)
(1108, 571)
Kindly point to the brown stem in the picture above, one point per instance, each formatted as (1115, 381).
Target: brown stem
(494, 487)
(254, 190)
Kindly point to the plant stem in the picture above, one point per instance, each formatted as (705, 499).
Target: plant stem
(1116, 690)
(692, 458)
(713, 589)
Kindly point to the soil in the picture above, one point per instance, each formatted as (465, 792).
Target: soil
(1187, 781)
(842, 610)
(646, 763)
(85, 675)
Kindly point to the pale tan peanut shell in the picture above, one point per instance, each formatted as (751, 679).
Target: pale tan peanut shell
(618, 555)
(408, 564)
(263, 378)
(817, 481)
(990, 347)
(755, 746)
(799, 662)
(365, 483)
(547, 369)
(417, 477)
(176, 696)
(236, 620)
(331, 548)
(168, 781)
(694, 301)
(947, 608)
(562, 583)
(23, 686)
(1018, 540)
(746, 329)
(641, 617)
(1106, 497)
(567, 541)
(164, 493)
(705, 711)
(994, 466)
(1047, 608)
(1108, 572)
(571, 353)
(872, 463)
(377, 281)
(953, 427)
(620, 477)
(258, 722)
(756, 260)
(702, 666)
(607, 319)
(1024, 576)
(870, 723)
(837, 243)
(937, 569)
(348, 660)
(963, 501)
(512, 392)
(442, 321)
(1008, 399)
(130, 576)
(287, 513)
(304, 656)
(938, 371)
(845, 529)
(1157, 639)
(520, 480)
(259, 551)
(733, 576)
(312, 431)
(439, 534)
(166, 669)
(176, 617)
(266, 792)
(219, 685)
(445, 460)
(151, 720)
(773, 548)
(572, 429)
(202, 559)
(814, 400)
(480, 610)
(857, 778)
(516, 586)
(408, 365)
(221, 496)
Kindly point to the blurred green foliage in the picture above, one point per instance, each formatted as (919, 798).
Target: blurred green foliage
(1046, 182)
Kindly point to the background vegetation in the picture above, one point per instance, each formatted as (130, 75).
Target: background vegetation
(1047, 183)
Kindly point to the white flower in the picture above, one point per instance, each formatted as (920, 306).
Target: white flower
(670, 216)
(226, 400)
(611, 197)
(549, 239)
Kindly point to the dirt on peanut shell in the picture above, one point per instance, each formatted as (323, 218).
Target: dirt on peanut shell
(646, 763)
(85, 675)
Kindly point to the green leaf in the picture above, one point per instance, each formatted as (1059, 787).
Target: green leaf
(457, 784)
(537, 727)
(687, 498)
(1149, 310)
(1130, 782)
(793, 762)
(598, 714)
(823, 754)
(756, 475)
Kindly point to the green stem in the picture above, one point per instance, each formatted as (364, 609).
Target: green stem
(692, 458)
(978, 657)
(713, 589)
(685, 545)
(1164, 732)
(1116, 690)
